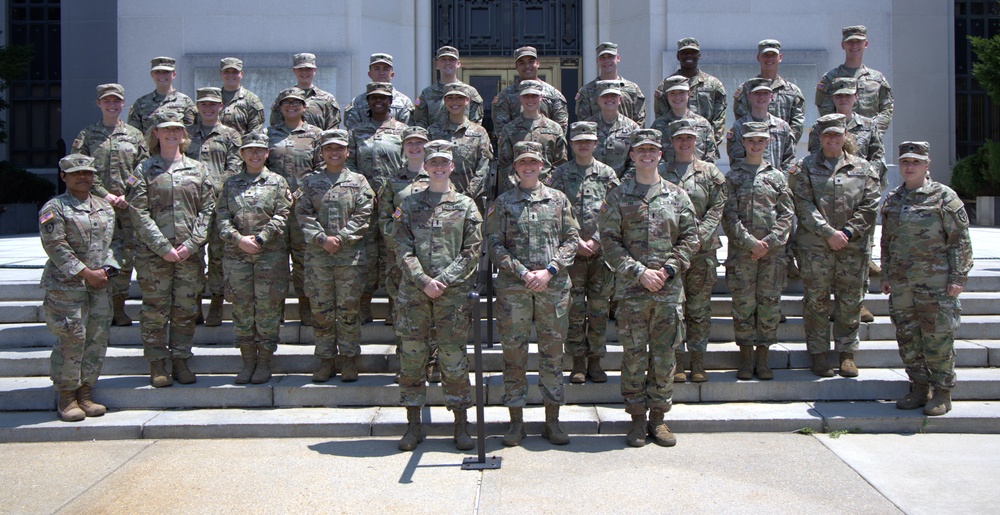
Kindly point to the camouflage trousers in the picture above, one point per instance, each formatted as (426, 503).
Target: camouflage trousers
(169, 303)
(756, 288)
(335, 294)
(123, 241)
(393, 278)
(841, 273)
(256, 284)
(445, 322)
(80, 321)
(590, 295)
(295, 241)
(650, 329)
(516, 308)
(926, 319)
(214, 283)
(698, 282)
(377, 256)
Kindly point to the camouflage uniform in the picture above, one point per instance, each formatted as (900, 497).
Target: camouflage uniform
(532, 230)
(472, 152)
(437, 236)
(789, 104)
(708, 99)
(874, 94)
(244, 113)
(507, 106)
(430, 109)
(256, 284)
(140, 115)
(633, 104)
(613, 142)
(648, 227)
(591, 279)
(541, 130)
(340, 205)
(116, 153)
(869, 143)
(322, 109)
(400, 185)
(780, 151)
(706, 148)
(356, 113)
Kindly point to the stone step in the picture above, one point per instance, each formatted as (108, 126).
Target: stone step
(602, 419)
(381, 358)
(297, 391)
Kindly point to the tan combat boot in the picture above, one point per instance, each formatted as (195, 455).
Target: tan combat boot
(698, 374)
(636, 436)
(68, 409)
(659, 431)
(158, 376)
(87, 404)
(305, 312)
(866, 316)
(516, 432)
(349, 371)
(200, 319)
(414, 431)
(248, 352)
(939, 404)
(327, 369)
(120, 318)
(214, 318)
(551, 430)
(745, 371)
(579, 373)
(679, 375)
(183, 374)
(463, 441)
(594, 371)
(919, 394)
(847, 366)
(762, 369)
(820, 366)
(262, 373)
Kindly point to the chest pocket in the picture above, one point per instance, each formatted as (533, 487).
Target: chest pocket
(339, 202)
(919, 214)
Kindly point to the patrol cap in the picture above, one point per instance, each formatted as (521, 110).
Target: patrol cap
(913, 149)
(683, 126)
(646, 137)
(854, 32)
(609, 87)
(835, 122)
(446, 51)
(530, 87)
(291, 93)
(414, 131)
(528, 150)
(333, 136)
(105, 90)
(378, 88)
(77, 163)
(455, 89)
(844, 86)
(167, 118)
(676, 83)
(583, 131)
(162, 63)
(254, 140)
(525, 51)
(607, 48)
(209, 94)
(304, 60)
(231, 62)
(756, 130)
(769, 46)
(380, 58)
(688, 43)
(759, 84)
(438, 148)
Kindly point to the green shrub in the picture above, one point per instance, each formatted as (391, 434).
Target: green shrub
(22, 187)
(978, 174)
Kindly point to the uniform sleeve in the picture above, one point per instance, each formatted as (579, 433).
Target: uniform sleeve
(956, 226)
(739, 236)
(660, 103)
(785, 211)
(809, 216)
(719, 104)
(357, 224)
(351, 163)
(569, 236)
(560, 112)
(888, 234)
(333, 114)
(275, 227)
(305, 214)
(583, 108)
(875, 155)
(797, 117)
(505, 160)
(255, 115)
(496, 231)
(80, 147)
(788, 151)
(420, 117)
(203, 222)
(639, 114)
(53, 233)
(709, 224)
(686, 243)
(134, 118)
(824, 102)
(711, 150)
(560, 155)
(484, 156)
(276, 117)
(224, 216)
(405, 247)
(814, 145)
(190, 111)
(734, 146)
(502, 113)
(613, 239)
(352, 116)
(386, 207)
(467, 261)
(885, 106)
(234, 163)
(146, 229)
(864, 216)
(475, 106)
(741, 106)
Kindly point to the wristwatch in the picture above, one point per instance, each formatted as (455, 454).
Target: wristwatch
(552, 270)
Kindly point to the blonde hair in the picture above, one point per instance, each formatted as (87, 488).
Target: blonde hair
(851, 144)
(153, 143)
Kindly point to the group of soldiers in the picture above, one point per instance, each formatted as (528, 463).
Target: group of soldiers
(578, 218)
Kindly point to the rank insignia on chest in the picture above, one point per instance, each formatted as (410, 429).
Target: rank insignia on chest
(397, 213)
(533, 217)
(604, 206)
(46, 216)
(131, 180)
(437, 223)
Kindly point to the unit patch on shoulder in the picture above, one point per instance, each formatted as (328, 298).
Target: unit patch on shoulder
(604, 206)
(131, 180)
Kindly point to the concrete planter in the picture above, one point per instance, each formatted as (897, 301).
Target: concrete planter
(988, 211)
(18, 218)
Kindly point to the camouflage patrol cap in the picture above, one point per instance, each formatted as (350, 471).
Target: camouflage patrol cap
(231, 62)
(254, 140)
(438, 148)
(844, 86)
(683, 126)
(583, 131)
(528, 150)
(209, 94)
(756, 130)
(162, 63)
(446, 51)
(380, 58)
(854, 32)
(915, 150)
(676, 83)
(758, 84)
(414, 131)
(835, 122)
(76, 163)
(688, 43)
(609, 87)
(607, 48)
(112, 89)
(167, 118)
(304, 60)
(769, 46)
(455, 89)
(334, 137)
(525, 51)
(378, 88)
(646, 137)
(291, 93)
(530, 87)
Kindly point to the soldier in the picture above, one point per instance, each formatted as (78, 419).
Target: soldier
(430, 107)
(676, 93)
(242, 109)
(705, 186)
(117, 148)
(379, 71)
(780, 152)
(874, 93)
(217, 147)
(293, 155)
(530, 125)
(633, 102)
(927, 256)
(76, 234)
(322, 109)
(172, 203)
(438, 235)
(334, 208)
(835, 195)
(788, 104)
(586, 181)
(163, 98)
(757, 220)
(613, 128)
(533, 237)
(649, 232)
(708, 96)
(471, 149)
(507, 104)
(251, 217)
